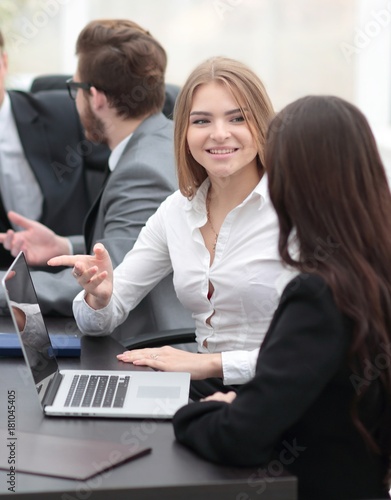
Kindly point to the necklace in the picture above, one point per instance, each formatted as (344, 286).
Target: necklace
(216, 235)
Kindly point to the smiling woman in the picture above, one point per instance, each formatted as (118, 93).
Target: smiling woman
(219, 139)
(221, 219)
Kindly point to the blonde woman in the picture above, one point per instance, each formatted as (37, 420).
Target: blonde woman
(218, 234)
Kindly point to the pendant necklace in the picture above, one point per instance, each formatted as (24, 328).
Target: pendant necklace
(216, 235)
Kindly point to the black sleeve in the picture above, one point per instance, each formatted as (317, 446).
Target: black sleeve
(303, 349)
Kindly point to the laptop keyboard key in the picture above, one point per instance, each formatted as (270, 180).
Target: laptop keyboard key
(121, 392)
(71, 390)
(110, 392)
(80, 390)
(88, 395)
(100, 391)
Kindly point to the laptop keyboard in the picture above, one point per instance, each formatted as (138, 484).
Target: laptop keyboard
(98, 391)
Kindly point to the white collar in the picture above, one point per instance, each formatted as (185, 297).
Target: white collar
(5, 112)
(198, 202)
(117, 152)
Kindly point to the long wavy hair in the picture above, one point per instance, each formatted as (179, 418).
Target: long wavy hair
(330, 191)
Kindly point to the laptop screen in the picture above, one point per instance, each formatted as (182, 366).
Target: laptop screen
(28, 320)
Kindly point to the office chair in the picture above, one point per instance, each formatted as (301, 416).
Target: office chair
(172, 92)
(49, 82)
(161, 338)
(57, 82)
(171, 322)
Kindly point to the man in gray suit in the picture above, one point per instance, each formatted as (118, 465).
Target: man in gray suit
(119, 92)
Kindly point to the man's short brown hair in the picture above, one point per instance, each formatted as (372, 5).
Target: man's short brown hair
(120, 58)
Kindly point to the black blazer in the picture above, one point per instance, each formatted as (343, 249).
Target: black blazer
(295, 413)
(59, 155)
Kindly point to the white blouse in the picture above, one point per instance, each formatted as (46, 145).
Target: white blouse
(244, 271)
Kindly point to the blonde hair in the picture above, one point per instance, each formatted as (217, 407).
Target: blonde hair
(252, 98)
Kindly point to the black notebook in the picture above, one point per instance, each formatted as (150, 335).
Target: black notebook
(62, 457)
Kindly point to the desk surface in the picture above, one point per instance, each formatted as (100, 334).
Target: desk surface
(170, 472)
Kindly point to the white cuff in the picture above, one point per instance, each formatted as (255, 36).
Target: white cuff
(91, 321)
(238, 366)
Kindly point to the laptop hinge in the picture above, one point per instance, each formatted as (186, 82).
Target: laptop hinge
(52, 389)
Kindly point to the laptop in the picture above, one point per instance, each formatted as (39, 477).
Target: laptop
(89, 393)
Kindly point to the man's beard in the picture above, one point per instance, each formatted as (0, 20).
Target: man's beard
(93, 126)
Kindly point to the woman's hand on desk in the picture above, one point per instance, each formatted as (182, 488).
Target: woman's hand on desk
(93, 272)
(169, 359)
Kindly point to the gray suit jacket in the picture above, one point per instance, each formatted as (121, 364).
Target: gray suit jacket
(142, 179)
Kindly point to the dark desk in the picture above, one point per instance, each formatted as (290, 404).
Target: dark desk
(170, 472)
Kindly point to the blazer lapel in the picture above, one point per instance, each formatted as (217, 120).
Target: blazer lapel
(90, 219)
(151, 123)
(33, 134)
(33, 138)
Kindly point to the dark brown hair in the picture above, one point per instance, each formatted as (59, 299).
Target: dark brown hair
(1, 41)
(330, 190)
(247, 90)
(125, 61)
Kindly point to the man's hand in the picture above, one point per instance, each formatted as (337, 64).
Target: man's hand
(38, 242)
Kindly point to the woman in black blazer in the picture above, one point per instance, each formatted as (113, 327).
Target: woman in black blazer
(319, 405)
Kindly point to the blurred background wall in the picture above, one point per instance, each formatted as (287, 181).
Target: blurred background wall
(340, 47)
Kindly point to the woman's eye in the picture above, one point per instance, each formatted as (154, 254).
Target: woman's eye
(200, 121)
(238, 119)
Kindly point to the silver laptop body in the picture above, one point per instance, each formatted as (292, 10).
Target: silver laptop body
(100, 393)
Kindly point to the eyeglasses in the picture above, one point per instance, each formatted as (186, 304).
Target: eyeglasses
(73, 87)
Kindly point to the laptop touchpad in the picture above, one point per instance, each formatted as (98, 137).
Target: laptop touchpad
(146, 391)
